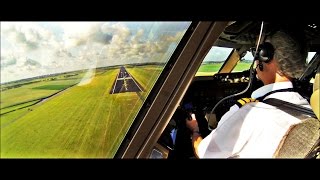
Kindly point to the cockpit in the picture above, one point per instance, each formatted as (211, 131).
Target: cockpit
(219, 83)
(124, 89)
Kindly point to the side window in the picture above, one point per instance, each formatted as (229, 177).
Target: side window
(310, 56)
(213, 61)
(244, 63)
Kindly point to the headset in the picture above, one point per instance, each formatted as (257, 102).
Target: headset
(264, 54)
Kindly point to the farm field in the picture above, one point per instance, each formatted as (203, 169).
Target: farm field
(34, 91)
(83, 121)
(211, 69)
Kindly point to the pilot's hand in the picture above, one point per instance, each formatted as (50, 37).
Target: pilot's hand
(192, 123)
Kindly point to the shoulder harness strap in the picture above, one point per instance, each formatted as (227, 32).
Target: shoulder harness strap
(290, 108)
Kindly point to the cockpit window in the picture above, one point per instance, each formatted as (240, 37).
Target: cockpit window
(310, 56)
(73, 89)
(244, 63)
(213, 61)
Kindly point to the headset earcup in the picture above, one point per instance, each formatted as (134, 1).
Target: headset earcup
(266, 52)
(263, 55)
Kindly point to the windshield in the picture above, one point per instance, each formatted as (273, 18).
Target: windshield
(72, 89)
(245, 63)
(213, 61)
(218, 55)
(310, 56)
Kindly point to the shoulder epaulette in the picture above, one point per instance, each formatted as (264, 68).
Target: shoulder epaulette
(244, 101)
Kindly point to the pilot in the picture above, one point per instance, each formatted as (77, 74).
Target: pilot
(253, 129)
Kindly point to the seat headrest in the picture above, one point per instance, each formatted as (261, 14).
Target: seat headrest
(316, 83)
(299, 139)
(314, 102)
(314, 99)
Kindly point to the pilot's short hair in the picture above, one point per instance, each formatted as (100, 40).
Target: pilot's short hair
(290, 51)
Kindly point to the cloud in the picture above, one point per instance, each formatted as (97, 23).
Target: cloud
(101, 38)
(30, 62)
(21, 38)
(26, 35)
(81, 34)
(21, 70)
(8, 61)
(63, 53)
(53, 47)
(138, 37)
(135, 46)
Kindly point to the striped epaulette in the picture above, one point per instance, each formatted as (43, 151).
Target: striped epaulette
(241, 102)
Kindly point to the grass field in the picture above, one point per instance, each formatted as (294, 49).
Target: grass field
(146, 76)
(20, 106)
(53, 87)
(81, 122)
(6, 119)
(33, 91)
(241, 66)
(211, 69)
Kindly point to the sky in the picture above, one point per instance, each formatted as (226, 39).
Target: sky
(222, 53)
(30, 49)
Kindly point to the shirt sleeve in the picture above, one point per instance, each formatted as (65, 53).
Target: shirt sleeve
(229, 113)
(224, 140)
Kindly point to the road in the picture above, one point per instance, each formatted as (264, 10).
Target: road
(125, 83)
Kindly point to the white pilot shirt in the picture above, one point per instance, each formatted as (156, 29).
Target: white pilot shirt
(253, 131)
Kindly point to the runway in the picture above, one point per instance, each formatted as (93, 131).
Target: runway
(125, 83)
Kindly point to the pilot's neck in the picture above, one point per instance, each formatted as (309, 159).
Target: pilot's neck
(278, 78)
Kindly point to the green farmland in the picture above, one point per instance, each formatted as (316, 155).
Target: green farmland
(33, 91)
(241, 66)
(211, 69)
(208, 69)
(80, 122)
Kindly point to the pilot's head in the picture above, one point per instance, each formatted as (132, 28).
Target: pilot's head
(282, 56)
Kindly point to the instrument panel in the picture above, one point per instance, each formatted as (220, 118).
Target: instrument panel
(205, 92)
